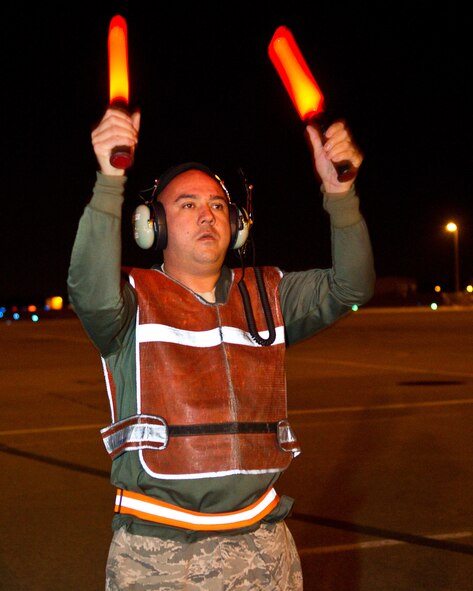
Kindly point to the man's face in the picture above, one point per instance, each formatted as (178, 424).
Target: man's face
(197, 221)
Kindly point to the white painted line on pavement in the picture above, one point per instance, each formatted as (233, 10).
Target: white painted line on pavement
(334, 409)
(395, 368)
(310, 411)
(51, 429)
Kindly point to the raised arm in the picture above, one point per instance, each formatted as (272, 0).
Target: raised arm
(103, 302)
(312, 300)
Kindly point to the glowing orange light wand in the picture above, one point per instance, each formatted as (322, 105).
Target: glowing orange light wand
(121, 156)
(302, 87)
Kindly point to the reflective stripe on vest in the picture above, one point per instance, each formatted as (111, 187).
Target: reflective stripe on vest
(150, 509)
(152, 432)
(146, 333)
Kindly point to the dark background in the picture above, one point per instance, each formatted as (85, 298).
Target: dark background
(399, 73)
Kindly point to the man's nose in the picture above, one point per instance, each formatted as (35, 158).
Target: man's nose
(206, 215)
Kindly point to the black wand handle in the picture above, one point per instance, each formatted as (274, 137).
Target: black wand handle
(121, 156)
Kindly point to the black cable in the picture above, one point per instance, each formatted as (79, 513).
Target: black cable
(249, 309)
(250, 318)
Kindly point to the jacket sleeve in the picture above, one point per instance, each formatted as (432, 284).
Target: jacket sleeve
(312, 300)
(103, 302)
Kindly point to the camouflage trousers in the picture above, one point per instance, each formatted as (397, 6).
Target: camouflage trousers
(265, 559)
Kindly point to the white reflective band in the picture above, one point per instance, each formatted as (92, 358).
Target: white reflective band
(152, 510)
(146, 333)
(137, 432)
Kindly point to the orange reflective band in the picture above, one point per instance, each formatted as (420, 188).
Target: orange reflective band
(150, 509)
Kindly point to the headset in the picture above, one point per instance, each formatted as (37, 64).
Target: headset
(149, 218)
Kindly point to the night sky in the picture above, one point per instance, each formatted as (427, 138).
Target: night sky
(399, 73)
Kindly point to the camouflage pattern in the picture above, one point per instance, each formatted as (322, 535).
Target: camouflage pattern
(266, 559)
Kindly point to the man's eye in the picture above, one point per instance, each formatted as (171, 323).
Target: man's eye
(218, 206)
(187, 205)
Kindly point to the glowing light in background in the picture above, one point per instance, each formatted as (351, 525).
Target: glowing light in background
(453, 228)
(54, 303)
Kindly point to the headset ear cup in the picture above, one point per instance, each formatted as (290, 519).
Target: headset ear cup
(233, 216)
(160, 226)
(143, 227)
(239, 226)
(149, 226)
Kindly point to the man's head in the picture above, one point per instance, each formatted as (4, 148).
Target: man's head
(149, 220)
(197, 222)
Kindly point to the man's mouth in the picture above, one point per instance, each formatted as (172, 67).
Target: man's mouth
(207, 236)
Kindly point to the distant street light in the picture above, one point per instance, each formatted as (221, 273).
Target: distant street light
(452, 227)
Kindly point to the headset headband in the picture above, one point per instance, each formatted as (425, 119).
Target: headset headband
(174, 171)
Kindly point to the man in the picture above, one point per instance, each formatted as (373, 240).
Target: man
(199, 432)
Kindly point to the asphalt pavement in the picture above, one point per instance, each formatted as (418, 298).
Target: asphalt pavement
(381, 402)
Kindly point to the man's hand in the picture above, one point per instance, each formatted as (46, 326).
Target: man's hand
(117, 128)
(337, 146)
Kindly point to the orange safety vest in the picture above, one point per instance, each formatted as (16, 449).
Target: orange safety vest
(210, 400)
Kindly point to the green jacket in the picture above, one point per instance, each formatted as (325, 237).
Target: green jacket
(106, 305)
